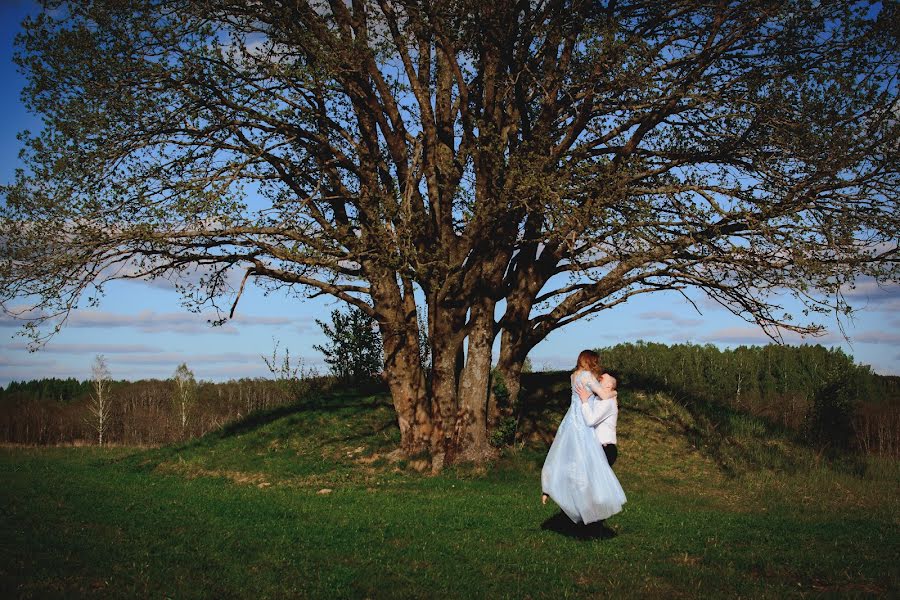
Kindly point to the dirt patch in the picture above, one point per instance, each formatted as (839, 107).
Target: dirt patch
(192, 471)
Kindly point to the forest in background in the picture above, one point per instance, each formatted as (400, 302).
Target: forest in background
(818, 393)
(142, 413)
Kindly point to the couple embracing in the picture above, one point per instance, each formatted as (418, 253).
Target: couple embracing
(577, 473)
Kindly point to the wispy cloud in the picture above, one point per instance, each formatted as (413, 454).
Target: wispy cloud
(160, 365)
(754, 335)
(176, 358)
(25, 361)
(877, 337)
(16, 316)
(54, 348)
(751, 335)
(149, 321)
(867, 294)
(665, 315)
(649, 335)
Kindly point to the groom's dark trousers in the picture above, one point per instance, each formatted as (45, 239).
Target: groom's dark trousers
(612, 453)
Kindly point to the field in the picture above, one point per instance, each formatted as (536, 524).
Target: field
(305, 501)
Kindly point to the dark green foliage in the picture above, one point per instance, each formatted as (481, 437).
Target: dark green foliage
(831, 414)
(504, 434)
(504, 431)
(59, 390)
(354, 351)
(742, 376)
(499, 388)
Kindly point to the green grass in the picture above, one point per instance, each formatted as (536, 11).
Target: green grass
(237, 514)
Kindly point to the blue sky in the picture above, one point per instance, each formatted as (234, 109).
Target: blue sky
(143, 330)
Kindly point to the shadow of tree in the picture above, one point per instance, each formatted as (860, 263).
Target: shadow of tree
(734, 439)
(359, 397)
(354, 401)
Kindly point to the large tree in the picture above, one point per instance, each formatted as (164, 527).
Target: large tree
(505, 167)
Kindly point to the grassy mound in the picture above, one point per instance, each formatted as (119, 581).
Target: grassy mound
(308, 501)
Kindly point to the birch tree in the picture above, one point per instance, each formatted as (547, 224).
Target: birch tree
(505, 168)
(185, 393)
(100, 404)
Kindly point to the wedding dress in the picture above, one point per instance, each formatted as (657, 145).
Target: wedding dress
(576, 474)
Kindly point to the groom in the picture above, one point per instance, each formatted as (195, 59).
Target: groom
(602, 414)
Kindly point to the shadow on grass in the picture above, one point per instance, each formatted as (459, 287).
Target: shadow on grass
(563, 525)
(353, 400)
(734, 439)
(322, 402)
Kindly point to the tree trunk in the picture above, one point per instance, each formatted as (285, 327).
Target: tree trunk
(446, 341)
(396, 314)
(514, 347)
(406, 381)
(474, 387)
(509, 366)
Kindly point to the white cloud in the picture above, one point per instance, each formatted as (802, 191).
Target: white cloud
(665, 315)
(877, 337)
(868, 294)
(754, 335)
(176, 358)
(55, 348)
(647, 335)
(154, 322)
(16, 316)
(26, 361)
(150, 321)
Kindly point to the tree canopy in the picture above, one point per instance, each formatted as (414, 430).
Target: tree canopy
(510, 166)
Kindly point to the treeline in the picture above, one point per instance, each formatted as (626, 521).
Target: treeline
(145, 412)
(60, 390)
(152, 412)
(818, 392)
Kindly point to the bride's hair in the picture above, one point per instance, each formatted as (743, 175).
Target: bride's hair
(589, 360)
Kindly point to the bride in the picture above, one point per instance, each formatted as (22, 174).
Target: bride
(576, 472)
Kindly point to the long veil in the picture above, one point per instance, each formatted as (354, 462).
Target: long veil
(576, 473)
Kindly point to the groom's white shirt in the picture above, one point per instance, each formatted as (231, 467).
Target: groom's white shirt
(601, 411)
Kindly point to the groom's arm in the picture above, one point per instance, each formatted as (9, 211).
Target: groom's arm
(597, 412)
(592, 389)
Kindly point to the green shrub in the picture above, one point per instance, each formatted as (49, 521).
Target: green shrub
(504, 434)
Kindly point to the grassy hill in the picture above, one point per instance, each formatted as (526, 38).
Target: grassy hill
(307, 501)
